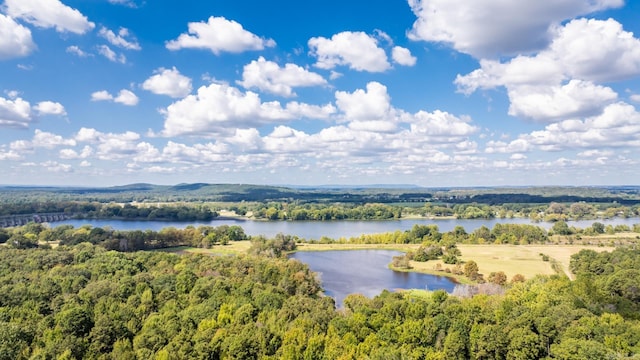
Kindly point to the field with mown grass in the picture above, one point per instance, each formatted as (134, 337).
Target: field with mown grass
(527, 260)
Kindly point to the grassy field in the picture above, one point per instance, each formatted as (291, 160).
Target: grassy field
(521, 259)
(511, 259)
(233, 248)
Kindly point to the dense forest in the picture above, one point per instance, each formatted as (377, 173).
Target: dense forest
(626, 195)
(298, 211)
(85, 302)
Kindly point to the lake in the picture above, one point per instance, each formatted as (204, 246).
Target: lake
(365, 272)
(333, 229)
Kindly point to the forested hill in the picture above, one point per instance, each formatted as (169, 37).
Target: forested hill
(627, 195)
(84, 302)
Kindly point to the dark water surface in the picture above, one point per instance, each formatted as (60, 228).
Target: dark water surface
(345, 272)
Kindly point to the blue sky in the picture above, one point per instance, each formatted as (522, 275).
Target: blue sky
(431, 92)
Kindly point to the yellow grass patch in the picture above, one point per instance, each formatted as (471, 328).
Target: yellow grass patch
(517, 259)
(511, 259)
(233, 248)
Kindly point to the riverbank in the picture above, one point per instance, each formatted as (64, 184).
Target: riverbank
(526, 260)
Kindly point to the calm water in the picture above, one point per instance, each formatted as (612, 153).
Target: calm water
(365, 272)
(333, 229)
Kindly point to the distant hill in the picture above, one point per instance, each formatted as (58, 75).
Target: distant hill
(380, 193)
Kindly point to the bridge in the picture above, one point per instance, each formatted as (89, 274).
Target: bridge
(23, 219)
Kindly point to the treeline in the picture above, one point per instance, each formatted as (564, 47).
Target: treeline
(610, 281)
(304, 211)
(96, 210)
(550, 212)
(33, 235)
(320, 212)
(84, 302)
(514, 234)
(158, 213)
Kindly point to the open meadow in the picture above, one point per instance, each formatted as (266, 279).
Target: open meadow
(526, 260)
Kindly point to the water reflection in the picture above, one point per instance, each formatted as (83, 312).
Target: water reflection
(365, 272)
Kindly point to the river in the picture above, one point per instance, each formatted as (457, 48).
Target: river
(333, 229)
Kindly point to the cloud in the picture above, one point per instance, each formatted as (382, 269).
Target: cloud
(403, 56)
(125, 97)
(9, 155)
(372, 104)
(635, 98)
(50, 108)
(357, 50)
(168, 82)
(73, 49)
(441, 124)
(219, 35)
(617, 126)
(558, 82)
(48, 140)
(106, 51)
(14, 113)
(127, 3)
(54, 166)
(41, 139)
(592, 50)
(101, 95)
(72, 154)
(493, 28)
(119, 39)
(49, 14)
(597, 50)
(218, 108)
(270, 77)
(112, 146)
(575, 99)
(15, 39)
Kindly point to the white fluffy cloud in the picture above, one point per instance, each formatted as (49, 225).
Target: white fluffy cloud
(488, 29)
(49, 14)
(575, 99)
(102, 95)
(125, 97)
(15, 39)
(441, 124)
(218, 107)
(219, 35)
(50, 108)
(357, 50)
(73, 154)
(597, 50)
(73, 49)
(403, 56)
(119, 39)
(372, 104)
(112, 146)
(594, 50)
(14, 112)
(558, 82)
(617, 126)
(270, 77)
(41, 139)
(168, 82)
(48, 140)
(106, 51)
